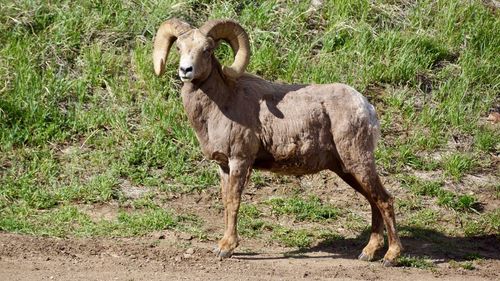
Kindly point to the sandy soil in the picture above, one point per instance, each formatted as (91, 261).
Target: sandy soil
(170, 256)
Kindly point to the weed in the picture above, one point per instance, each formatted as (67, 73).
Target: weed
(300, 238)
(303, 209)
(489, 222)
(457, 164)
(425, 218)
(416, 262)
(249, 222)
(458, 202)
(423, 187)
(445, 198)
(468, 265)
(487, 140)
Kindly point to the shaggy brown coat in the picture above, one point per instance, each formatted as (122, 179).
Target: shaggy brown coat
(244, 122)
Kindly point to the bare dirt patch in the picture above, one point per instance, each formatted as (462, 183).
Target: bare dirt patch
(172, 258)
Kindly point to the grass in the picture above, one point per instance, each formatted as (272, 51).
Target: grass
(69, 220)
(250, 223)
(467, 265)
(458, 202)
(310, 209)
(456, 165)
(82, 116)
(416, 262)
(300, 238)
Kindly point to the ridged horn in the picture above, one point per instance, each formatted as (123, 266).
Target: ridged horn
(165, 37)
(236, 36)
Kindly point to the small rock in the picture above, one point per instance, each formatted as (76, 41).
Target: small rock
(494, 117)
(186, 256)
(185, 236)
(190, 251)
(178, 259)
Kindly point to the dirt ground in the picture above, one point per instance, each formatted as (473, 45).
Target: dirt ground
(169, 256)
(176, 255)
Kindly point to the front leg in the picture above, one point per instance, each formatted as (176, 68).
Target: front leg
(233, 181)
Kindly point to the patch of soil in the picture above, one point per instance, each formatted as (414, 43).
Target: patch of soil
(167, 257)
(175, 255)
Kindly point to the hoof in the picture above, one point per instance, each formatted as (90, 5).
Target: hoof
(388, 263)
(365, 257)
(222, 254)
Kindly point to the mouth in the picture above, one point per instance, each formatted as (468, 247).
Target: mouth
(186, 78)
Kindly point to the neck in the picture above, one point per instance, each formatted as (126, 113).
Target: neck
(202, 100)
(214, 85)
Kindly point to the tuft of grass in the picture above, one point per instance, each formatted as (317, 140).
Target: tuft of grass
(69, 221)
(457, 164)
(416, 262)
(458, 202)
(426, 218)
(310, 208)
(300, 238)
(473, 257)
(467, 265)
(463, 202)
(487, 140)
(488, 222)
(250, 223)
(423, 187)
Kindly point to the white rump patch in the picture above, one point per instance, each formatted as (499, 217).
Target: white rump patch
(366, 110)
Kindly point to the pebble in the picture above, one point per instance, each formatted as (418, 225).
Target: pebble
(185, 236)
(190, 251)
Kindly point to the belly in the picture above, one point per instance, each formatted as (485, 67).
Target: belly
(303, 151)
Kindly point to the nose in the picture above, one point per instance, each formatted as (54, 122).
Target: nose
(186, 69)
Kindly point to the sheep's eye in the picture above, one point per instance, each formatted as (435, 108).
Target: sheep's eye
(177, 47)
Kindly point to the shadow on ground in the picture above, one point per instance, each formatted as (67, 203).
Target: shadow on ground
(418, 242)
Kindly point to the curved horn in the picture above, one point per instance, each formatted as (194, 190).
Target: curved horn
(236, 36)
(165, 37)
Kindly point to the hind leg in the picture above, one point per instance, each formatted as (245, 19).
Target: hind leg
(372, 186)
(377, 228)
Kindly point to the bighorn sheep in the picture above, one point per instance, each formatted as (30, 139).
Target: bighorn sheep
(244, 122)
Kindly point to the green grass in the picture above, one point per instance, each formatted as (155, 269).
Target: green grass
(68, 221)
(456, 165)
(250, 223)
(310, 208)
(81, 112)
(416, 262)
(300, 238)
(467, 265)
(458, 202)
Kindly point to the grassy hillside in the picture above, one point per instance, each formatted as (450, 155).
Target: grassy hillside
(84, 122)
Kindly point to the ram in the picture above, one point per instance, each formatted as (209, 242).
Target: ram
(244, 122)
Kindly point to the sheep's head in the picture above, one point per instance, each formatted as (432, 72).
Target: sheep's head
(196, 47)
